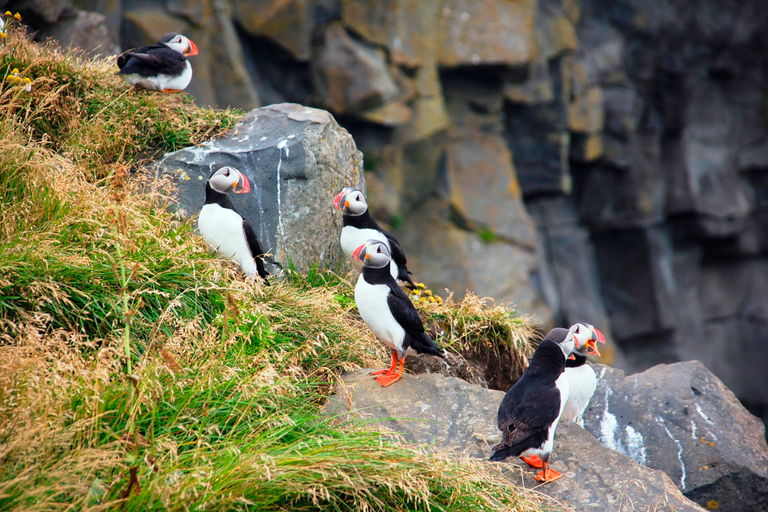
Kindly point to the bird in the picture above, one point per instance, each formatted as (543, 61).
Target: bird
(581, 377)
(159, 67)
(388, 311)
(530, 410)
(230, 235)
(359, 226)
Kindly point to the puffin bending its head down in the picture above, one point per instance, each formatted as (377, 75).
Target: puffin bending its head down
(230, 235)
(581, 377)
(388, 311)
(160, 67)
(359, 227)
(529, 412)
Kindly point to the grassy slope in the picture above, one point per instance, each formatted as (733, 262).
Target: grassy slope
(135, 369)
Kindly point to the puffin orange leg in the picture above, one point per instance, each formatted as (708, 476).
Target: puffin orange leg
(534, 461)
(171, 90)
(392, 369)
(547, 475)
(390, 378)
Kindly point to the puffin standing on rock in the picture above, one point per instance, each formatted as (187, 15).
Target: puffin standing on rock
(359, 227)
(160, 67)
(224, 229)
(529, 412)
(388, 311)
(581, 377)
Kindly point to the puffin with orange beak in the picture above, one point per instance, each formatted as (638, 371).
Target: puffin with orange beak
(225, 230)
(531, 409)
(359, 227)
(582, 380)
(159, 67)
(388, 311)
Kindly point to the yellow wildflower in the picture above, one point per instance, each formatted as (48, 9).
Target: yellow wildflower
(17, 16)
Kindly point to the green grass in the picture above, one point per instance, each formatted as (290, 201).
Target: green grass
(137, 372)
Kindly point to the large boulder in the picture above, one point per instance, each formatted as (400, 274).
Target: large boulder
(296, 158)
(459, 419)
(681, 419)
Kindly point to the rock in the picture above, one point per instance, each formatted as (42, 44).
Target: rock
(538, 138)
(637, 284)
(407, 28)
(567, 264)
(289, 23)
(84, 30)
(297, 159)
(445, 256)
(350, 75)
(681, 419)
(459, 419)
(48, 11)
(493, 32)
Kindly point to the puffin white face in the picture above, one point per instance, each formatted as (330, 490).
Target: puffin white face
(373, 254)
(179, 43)
(586, 336)
(351, 201)
(228, 179)
(568, 345)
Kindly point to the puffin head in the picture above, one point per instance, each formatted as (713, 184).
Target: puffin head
(228, 179)
(585, 336)
(351, 201)
(179, 43)
(373, 254)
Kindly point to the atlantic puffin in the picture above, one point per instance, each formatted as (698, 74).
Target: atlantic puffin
(581, 377)
(230, 235)
(388, 311)
(529, 412)
(159, 67)
(359, 227)
(582, 380)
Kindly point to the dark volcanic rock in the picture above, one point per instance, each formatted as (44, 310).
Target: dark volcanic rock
(297, 159)
(459, 419)
(681, 419)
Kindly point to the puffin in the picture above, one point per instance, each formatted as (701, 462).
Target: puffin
(359, 227)
(581, 377)
(388, 311)
(159, 67)
(529, 412)
(230, 235)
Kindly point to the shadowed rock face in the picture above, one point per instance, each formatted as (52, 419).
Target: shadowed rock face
(681, 419)
(459, 419)
(297, 159)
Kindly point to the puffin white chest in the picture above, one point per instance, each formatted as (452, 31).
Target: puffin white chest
(352, 238)
(162, 82)
(372, 304)
(222, 228)
(582, 382)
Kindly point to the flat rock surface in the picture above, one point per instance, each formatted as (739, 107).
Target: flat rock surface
(459, 419)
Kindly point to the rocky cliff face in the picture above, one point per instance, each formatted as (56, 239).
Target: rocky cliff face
(588, 160)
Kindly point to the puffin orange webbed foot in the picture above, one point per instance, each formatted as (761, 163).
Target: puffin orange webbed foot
(387, 379)
(547, 475)
(534, 461)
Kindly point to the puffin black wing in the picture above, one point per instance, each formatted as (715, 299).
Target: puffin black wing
(398, 256)
(150, 60)
(255, 247)
(407, 316)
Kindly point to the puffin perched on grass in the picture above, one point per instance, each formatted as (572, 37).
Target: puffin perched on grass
(230, 235)
(529, 412)
(159, 67)
(360, 227)
(581, 377)
(388, 311)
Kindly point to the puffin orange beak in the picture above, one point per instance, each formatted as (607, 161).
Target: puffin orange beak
(572, 357)
(191, 49)
(337, 201)
(360, 253)
(243, 185)
(597, 336)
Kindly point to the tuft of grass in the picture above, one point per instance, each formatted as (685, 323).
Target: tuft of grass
(138, 372)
